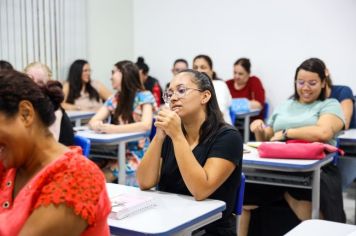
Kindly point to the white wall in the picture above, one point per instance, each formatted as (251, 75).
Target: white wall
(276, 35)
(110, 36)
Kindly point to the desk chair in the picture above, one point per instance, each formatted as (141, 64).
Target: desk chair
(239, 200)
(232, 116)
(84, 143)
(265, 111)
(153, 129)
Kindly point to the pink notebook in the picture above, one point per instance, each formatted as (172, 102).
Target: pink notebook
(124, 205)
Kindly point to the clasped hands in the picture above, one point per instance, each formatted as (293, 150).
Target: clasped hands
(168, 123)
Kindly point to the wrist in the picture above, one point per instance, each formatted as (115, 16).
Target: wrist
(284, 134)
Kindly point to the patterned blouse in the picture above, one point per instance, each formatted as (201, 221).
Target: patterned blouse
(61, 182)
(135, 150)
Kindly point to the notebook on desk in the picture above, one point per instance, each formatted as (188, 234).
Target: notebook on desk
(124, 205)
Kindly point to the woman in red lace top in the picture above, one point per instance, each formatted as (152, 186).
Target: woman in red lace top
(46, 188)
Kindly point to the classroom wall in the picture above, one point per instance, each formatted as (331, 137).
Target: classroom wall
(276, 35)
(110, 36)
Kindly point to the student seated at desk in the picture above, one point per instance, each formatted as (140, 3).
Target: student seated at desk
(308, 116)
(131, 108)
(344, 95)
(80, 91)
(243, 85)
(62, 128)
(203, 63)
(46, 188)
(194, 152)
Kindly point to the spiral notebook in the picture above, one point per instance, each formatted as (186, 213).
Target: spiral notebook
(124, 205)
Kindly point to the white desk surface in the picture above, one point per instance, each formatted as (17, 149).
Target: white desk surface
(322, 227)
(348, 135)
(253, 158)
(84, 131)
(253, 112)
(172, 214)
(80, 114)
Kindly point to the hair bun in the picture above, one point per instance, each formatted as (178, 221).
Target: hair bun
(53, 89)
(140, 60)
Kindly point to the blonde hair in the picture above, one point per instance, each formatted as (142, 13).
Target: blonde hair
(41, 66)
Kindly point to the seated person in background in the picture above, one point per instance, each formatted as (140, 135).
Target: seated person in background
(308, 116)
(203, 63)
(62, 128)
(243, 85)
(5, 65)
(80, 91)
(194, 152)
(344, 95)
(178, 65)
(131, 108)
(44, 190)
(150, 83)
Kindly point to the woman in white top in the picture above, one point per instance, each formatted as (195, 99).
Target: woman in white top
(61, 129)
(82, 93)
(203, 63)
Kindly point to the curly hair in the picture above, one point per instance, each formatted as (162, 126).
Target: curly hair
(16, 87)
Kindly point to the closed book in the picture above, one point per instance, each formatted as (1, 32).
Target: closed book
(124, 205)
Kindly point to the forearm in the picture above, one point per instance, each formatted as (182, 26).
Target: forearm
(69, 106)
(148, 171)
(311, 133)
(193, 174)
(254, 104)
(127, 128)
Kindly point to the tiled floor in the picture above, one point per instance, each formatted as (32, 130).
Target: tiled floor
(349, 203)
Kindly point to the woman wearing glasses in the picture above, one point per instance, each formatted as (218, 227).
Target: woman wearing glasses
(309, 116)
(194, 152)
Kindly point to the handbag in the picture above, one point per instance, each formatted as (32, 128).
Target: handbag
(296, 149)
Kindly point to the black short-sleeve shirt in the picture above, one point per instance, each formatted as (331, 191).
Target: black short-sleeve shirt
(226, 144)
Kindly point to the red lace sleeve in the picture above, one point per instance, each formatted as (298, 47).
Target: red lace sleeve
(75, 181)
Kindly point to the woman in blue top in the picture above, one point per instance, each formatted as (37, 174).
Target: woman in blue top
(308, 116)
(131, 109)
(344, 95)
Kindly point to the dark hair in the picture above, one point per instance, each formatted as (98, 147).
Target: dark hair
(16, 87)
(214, 118)
(180, 60)
(245, 63)
(5, 65)
(130, 84)
(329, 82)
(142, 65)
(312, 65)
(209, 61)
(75, 82)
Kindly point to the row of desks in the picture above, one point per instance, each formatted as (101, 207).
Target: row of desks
(251, 163)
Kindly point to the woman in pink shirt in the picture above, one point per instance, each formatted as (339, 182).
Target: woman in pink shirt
(46, 188)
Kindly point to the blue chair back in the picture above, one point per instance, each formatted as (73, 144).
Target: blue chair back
(240, 195)
(153, 129)
(84, 143)
(239, 200)
(265, 110)
(232, 115)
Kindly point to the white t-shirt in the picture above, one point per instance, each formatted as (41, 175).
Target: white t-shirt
(224, 98)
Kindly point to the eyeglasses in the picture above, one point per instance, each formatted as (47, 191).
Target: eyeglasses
(311, 83)
(180, 93)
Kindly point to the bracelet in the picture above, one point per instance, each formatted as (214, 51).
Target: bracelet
(284, 134)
